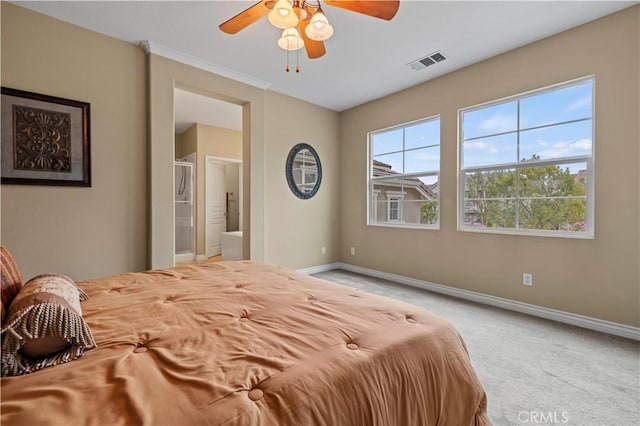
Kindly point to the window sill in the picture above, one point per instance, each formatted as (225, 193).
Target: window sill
(435, 227)
(529, 233)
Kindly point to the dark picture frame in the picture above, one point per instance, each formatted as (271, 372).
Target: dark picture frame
(45, 140)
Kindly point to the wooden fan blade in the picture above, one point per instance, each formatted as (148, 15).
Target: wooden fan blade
(315, 49)
(246, 17)
(383, 9)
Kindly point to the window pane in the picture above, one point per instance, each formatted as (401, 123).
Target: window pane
(422, 134)
(387, 164)
(563, 180)
(490, 120)
(431, 184)
(558, 214)
(564, 140)
(430, 180)
(490, 151)
(385, 142)
(489, 199)
(494, 184)
(422, 212)
(385, 199)
(379, 211)
(422, 160)
(411, 200)
(397, 199)
(556, 106)
(490, 213)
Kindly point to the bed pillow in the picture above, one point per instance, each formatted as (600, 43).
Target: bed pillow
(12, 281)
(44, 326)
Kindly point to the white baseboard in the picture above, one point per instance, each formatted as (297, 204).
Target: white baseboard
(201, 257)
(186, 257)
(613, 328)
(320, 268)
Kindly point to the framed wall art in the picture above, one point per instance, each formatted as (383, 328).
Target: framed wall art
(45, 139)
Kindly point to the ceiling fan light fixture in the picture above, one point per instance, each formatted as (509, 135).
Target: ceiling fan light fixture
(291, 40)
(308, 16)
(319, 28)
(282, 15)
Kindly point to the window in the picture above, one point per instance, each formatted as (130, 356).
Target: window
(526, 163)
(394, 200)
(404, 168)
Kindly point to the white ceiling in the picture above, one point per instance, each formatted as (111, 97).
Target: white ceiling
(366, 57)
(191, 108)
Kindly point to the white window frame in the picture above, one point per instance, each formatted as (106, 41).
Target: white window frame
(373, 194)
(588, 159)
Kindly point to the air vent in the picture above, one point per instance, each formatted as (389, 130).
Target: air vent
(432, 58)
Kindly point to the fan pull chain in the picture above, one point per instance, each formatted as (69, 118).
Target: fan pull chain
(287, 68)
(297, 58)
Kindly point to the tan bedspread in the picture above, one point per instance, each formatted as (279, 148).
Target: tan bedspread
(242, 343)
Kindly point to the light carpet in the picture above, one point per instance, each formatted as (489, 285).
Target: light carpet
(534, 371)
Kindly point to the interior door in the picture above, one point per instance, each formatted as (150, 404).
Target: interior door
(215, 205)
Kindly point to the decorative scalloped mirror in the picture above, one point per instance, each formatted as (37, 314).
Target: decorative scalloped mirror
(303, 171)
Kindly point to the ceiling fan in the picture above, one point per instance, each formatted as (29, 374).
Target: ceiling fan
(308, 18)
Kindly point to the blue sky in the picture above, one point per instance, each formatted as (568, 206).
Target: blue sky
(562, 140)
(421, 140)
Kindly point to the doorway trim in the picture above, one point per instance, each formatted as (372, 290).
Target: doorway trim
(239, 197)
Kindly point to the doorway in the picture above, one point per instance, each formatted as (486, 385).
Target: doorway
(223, 201)
(210, 127)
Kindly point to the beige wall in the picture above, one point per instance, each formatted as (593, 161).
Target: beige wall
(81, 232)
(296, 230)
(219, 142)
(188, 142)
(178, 147)
(598, 278)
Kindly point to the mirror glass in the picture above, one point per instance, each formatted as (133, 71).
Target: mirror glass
(304, 171)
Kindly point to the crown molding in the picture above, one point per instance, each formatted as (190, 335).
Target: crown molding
(154, 48)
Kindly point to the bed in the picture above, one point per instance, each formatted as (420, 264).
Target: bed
(247, 343)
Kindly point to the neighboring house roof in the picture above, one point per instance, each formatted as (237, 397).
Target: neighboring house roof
(427, 191)
(382, 169)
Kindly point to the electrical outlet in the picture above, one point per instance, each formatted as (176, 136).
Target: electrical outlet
(527, 279)
(353, 251)
(324, 250)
